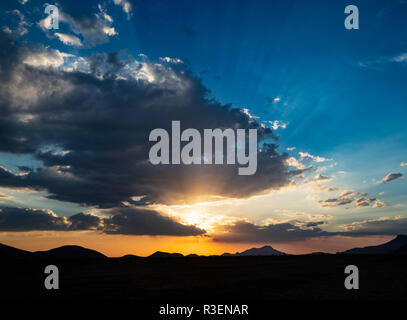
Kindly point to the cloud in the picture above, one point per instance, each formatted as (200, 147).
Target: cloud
(126, 6)
(84, 221)
(136, 221)
(305, 155)
(243, 231)
(359, 199)
(293, 162)
(278, 124)
(23, 219)
(399, 58)
(18, 24)
(381, 226)
(273, 100)
(94, 29)
(124, 220)
(320, 177)
(90, 129)
(374, 63)
(391, 177)
(69, 39)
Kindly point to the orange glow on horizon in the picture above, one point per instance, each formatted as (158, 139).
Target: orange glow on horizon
(120, 245)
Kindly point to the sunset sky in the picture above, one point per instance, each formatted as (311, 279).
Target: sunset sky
(78, 103)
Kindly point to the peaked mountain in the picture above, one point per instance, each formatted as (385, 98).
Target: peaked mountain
(388, 247)
(159, 254)
(263, 251)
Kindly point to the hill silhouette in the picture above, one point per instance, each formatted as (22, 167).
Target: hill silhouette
(159, 254)
(69, 252)
(397, 245)
(263, 251)
(385, 248)
(64, 252)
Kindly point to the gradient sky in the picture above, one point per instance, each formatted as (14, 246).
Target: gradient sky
(335, 98)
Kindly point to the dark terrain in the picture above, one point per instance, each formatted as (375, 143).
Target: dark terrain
(87, 274)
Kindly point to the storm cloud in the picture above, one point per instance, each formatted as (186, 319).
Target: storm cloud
(89, 126)
(243, 231)
(125, 220)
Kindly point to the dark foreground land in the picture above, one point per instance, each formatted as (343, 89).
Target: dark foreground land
(208, 278)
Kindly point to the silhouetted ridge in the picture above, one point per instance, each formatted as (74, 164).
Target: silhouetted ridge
(388, 247)
(263, 251)
(160, 254)
(69, 252)
(64, 252)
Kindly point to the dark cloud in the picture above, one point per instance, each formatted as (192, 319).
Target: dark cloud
(359, 199)
(136, 221)
(90, 130)
(314, 224)
(16, 25)
(382, 226)
(280, 232)
(23, 219)
(391, 177)
(125, 220)
(93, 28)
(84, 221)
(243, 231)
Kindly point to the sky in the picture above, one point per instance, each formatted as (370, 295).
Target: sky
(78, 103)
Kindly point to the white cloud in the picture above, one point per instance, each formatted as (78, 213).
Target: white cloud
(171, 60)
(278, 124)
(379, 204)
(110, 31)
(292, 162)
(400, 58)
(104, 14)
(93, 29)
(304, 155)
(50, 58)
(126, 6)
(69, 39)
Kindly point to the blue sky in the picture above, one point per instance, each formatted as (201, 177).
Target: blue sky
(337, 94)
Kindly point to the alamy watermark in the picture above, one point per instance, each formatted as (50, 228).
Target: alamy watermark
(213, 147)
(52, 21)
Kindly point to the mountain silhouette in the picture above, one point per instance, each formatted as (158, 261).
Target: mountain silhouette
(64, 252)
(69, 252)
(397, 246)
(160, 254)
(263, 251)
(388, 247)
